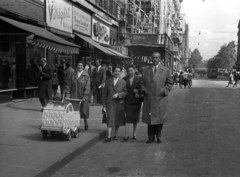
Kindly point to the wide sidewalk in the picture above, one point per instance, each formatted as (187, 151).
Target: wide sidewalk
(23, 152)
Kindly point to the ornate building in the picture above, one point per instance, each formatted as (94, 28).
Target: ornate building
(152, 25)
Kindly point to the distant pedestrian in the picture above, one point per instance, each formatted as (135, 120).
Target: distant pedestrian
(185, 79)
(90, 72)
(99, 81)
(55, 84)
(230, 79)
(109, 72)
(156, 83)
(113, 102)
(44, 91)
(181, 79)
(68, 72)
(236, 78)
(61, 70)
(133, 101)
(189, 78)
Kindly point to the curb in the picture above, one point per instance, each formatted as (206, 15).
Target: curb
(48, 172)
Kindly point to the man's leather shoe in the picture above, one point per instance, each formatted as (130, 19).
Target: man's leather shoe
(159, 140)
(149, 141)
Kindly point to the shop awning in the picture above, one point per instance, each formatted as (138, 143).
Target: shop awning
(95, 44)
(44, 38)
(117, 53)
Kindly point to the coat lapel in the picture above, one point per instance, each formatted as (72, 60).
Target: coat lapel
(112, 83)
(117, 84)
(134, 82)
(82, 75)
(159, 71)
(128, 82)
(150, 72)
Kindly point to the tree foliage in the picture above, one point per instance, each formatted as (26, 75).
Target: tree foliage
(226, 57)
(195, 59)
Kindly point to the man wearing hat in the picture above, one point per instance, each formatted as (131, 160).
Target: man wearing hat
(61, 75)
(44, 92)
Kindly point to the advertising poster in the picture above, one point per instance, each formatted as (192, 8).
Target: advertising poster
(100, 32)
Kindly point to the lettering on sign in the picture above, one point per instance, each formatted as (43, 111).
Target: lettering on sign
(81, 21)
(59, 14)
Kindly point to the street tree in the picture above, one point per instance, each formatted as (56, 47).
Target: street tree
(225, 58)
(195, 59)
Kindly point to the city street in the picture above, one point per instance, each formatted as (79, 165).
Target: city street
(201, 138)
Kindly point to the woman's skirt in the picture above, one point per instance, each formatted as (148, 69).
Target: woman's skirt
(133, 113)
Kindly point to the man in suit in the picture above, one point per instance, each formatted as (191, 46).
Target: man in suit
(99, 80)
(61, 70)
(156, 84)
(90, 72)
(44, 91)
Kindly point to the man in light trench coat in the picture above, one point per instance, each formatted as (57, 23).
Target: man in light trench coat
(156, 84)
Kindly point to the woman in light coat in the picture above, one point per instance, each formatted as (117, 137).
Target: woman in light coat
(79, 88)
(113, 102)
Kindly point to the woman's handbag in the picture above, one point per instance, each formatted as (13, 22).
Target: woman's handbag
(104, 117)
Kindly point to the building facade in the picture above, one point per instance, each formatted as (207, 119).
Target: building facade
(56, 30)
(153, 25)
(237, 65)
(116, 31)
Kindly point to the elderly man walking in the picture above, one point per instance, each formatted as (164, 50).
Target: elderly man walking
(156, 84)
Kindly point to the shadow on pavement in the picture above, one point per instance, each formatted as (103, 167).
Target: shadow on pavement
(20, 108)
(57, 137)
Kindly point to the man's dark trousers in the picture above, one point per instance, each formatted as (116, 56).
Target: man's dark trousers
(154, 130)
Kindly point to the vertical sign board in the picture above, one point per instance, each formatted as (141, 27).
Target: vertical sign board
(59, 15)
(81, 21)
(182, 21)
(100, 32)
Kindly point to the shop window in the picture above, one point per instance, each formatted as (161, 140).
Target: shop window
(33, 56)
(7, 63)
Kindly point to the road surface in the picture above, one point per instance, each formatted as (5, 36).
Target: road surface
(201, 138)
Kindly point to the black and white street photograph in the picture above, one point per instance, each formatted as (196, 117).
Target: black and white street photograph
(119, 88)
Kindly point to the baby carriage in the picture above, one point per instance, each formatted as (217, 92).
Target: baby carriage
(59, 116)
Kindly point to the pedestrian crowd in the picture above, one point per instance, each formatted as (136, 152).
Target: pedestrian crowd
(120, 91)
(183, 78)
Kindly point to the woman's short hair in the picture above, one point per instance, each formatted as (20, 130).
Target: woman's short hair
(131, 66)
(117, 66)
(80, 62)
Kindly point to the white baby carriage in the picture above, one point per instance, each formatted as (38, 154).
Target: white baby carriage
(60, 117)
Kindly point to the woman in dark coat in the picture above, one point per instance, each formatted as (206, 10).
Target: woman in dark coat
(79, 88)
(113, 102)
(133, 101)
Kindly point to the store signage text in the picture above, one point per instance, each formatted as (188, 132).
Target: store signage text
(81, 21)
(59, 15)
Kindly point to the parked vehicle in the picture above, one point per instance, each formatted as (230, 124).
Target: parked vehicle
(212, 72)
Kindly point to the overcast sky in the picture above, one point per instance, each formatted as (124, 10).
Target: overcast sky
(217, 20)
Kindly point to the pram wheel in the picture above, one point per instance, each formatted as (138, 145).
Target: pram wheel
(68, 136)
(75, 133)
(52, 134)
(44, 134)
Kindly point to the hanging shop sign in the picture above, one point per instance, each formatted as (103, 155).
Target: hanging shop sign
(81, 21)
(59, 15)
(100, 32)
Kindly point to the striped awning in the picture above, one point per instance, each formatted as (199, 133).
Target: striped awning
(43, 38)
